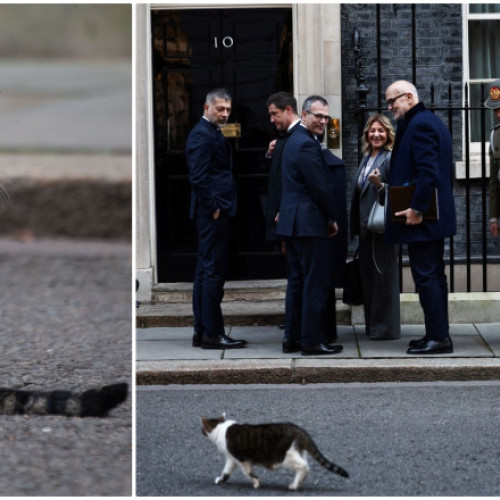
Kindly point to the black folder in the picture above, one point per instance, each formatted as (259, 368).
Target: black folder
(400, 199)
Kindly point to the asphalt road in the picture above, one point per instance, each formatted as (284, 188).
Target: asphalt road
(407, 439)
(65, 324)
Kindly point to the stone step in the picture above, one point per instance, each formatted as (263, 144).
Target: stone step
(41, 196)
(474, 307)
(253, 291)
(260, 302)
(236, 313)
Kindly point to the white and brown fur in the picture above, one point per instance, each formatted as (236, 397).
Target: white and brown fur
(270, 445)
(92, 403)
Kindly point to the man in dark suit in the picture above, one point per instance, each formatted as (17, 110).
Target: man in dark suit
(282, 108)
(422, 156)
(307, 221)
(213, 204)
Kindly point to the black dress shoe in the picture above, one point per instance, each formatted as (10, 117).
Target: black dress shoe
(291, 346)
(322, 349)
(220, 342)
(444, 346)
(418, 342)
(244, 342)
(197, 340)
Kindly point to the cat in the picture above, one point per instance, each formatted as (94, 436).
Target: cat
(91, 403)
(269, 445)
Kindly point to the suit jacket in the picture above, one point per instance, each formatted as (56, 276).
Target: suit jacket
(363, 200)
(422, 155)
(209, 161)
(273, 201)
(307, 203)
(336, 171)
(494, 183)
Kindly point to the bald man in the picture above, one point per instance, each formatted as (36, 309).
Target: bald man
(422, 156)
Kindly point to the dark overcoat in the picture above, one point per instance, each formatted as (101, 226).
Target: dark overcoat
(336, 170)
(422, 155)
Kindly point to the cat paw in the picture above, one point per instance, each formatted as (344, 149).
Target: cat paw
(256, 483)
(221, 479)
(293, 487)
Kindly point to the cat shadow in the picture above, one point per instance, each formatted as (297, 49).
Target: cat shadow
(271, 488)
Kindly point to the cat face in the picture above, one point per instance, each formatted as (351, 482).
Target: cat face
(209, 424)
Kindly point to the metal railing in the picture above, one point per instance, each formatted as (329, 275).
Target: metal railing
(462, 249)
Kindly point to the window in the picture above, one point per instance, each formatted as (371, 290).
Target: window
(483, 60)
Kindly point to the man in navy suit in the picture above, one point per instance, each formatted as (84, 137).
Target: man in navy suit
(422, 155)
(282, 108)
(213, 204)
(307, 221)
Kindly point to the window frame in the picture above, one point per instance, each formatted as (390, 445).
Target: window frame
(475, 147)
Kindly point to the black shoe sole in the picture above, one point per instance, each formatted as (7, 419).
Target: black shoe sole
(239, 346)
(427, 353)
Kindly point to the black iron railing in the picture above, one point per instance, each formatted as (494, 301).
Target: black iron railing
(467, 189)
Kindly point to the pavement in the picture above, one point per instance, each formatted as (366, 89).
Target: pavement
(164, 355)
(59, 106)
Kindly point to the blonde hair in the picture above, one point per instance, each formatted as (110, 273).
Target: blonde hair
(385, 122)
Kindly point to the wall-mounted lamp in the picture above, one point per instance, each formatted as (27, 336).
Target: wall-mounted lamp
(333, 133)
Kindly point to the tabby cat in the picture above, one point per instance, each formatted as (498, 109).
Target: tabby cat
(269, 445)
(91, 403)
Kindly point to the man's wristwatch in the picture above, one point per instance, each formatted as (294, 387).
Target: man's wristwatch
(418, 213)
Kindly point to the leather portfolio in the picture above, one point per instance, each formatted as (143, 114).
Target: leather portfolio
(400, 199)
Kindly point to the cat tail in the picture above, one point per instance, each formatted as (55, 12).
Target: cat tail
(313, 450)
(91, 403)
(97, 402)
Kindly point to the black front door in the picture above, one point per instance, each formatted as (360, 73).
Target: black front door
(248, 51)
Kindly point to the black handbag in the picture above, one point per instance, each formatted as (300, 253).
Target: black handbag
(353, 290)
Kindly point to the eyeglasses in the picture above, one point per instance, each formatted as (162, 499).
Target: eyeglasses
(390, 102)
(319, 116)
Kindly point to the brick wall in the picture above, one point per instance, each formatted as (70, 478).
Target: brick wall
(436, 59)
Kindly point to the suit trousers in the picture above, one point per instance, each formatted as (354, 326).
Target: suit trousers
(427, 268)
(308, 290)
(210, 275)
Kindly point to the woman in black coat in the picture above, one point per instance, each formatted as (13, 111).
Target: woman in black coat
(378, 260)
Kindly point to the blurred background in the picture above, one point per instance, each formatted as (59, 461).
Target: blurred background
(65, 121)
(65, 241)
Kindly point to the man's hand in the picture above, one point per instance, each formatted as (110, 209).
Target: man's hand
(494, 229)
(216, 214)
(283, 248)
(411, 218)
(270, 148)
(332, 229)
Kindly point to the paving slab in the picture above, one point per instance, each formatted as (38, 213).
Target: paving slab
(490, 332)
(165, 356)
(155, 350)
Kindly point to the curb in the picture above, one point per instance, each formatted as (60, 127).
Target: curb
(300, 371)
